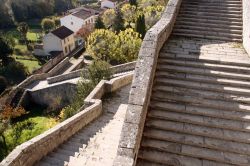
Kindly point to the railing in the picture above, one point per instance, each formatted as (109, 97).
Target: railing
(142, 85)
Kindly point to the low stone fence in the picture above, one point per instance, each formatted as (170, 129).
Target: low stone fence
(246, 25)
(142, 85)
(59, 67)
(35, 149)
(50, 64)
(82, 72)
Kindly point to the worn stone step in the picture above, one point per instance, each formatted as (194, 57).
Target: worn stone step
(197, 152)
(141, 162)
(202, 78)
(217, 59)
(65, 151)
(209, 29)
(234, 27)
(200, 120)
(53, 161)
(212, 3)
(60, 156)
(200, 130)
(200, 110)
(204, 65)
(205, 94)
(209, 103)
(217, 8)
(207, 37)
(207, 19)
(196, 140)
(164, 158)
(206, 72)
(205, 33)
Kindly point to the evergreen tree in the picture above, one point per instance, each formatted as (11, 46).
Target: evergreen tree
(133, 2)
(140, 26)
(118, 21)
(99, 23)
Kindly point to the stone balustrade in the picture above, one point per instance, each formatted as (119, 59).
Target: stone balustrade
(142, 85)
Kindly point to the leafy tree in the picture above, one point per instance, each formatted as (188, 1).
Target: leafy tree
(57, 22)
(133, 2)
(127, 46)
(100, 44)
(85, 31)
(99, 23)
(140, 26)
(47, 24)
(23, 28)
(152, 14)
(129, 13)
(118, 21)
(108, 18)
(6, 49)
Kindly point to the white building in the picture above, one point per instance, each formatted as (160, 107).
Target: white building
(79, 18)
(60, 40)
(110, 4)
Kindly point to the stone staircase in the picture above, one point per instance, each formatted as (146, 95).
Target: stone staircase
(199, 113)
(212, 19)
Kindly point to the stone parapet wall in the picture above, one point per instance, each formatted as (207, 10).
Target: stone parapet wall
(59, 67)
(35, 149)
(246, 25)
(142, 85)
(82, 72)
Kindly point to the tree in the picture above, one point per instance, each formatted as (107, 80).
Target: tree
(23, 28)
(108, 18)
(129, 13)
(100, 44)
(85, 31)
(6, 49)
(118, 21)
(47, 24)
(133, 2)
(57, 22)
(99, 23)
(140, 25)
(3, 84)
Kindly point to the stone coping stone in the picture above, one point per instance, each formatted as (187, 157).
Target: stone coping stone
(142, 83)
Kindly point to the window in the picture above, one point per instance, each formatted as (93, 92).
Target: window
(72, 23)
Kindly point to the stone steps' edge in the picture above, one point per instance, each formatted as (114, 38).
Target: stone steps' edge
(139, 97)
(183, 150)
(57, 135)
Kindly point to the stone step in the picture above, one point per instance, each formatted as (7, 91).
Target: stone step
(53, 161)
(200, 120)
(235, 27)
(205, 94)
(199, 130)
(229, 4)
(141, 162)
(205, 34)
(209, 20)
(196, 140)
(60, 156)
(197, 100)
(202, 6)
(205, 58)
(204, 65)
(205, 72)
(197, 152)
(200, 110)
(209, 9)
(208, 29)
(202, 79)
(164, 158)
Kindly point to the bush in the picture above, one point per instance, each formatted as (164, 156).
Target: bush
(99, 70)
(3, 84)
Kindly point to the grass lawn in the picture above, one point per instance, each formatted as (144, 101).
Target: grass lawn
(32, 36)
(30, 64)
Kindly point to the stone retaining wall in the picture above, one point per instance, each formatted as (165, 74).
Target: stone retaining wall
(59, 67)
(35, 149)
(246, 25)
(142, 85)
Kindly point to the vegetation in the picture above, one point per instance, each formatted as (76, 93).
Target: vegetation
(6, 49)
(140, 26)
(23, 28)
(96, 72)
(118, 24)
(3, 84)
(115, 48)
(99, 23)
(48, 24)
